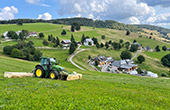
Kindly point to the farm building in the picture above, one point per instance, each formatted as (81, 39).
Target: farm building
(33, 34)
(66, 44)
(88, 42)
(125, 65)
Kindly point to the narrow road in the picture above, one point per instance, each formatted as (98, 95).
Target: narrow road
(70, 59)
(135, 55)
(104, 68)
(90, 63)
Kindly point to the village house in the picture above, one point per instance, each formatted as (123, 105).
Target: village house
(148, 48)
(33, 34)
(66, 44)
(102, 60)
(88, 42)
(125, 65)
(5, 35)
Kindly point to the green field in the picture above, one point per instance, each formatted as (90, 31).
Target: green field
(97, 90)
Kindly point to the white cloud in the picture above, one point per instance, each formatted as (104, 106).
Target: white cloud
(33, 1)
(37, 2)
(45, 16)
(108, 9)
(134, 20)
(8, 13)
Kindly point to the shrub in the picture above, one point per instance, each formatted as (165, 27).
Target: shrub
(45, 42)
(141, 58)
(63, 33)
(103, 36)
(121, 41)
(157, 48)
(126, 55)
(164, 75)
(41, 35)
(133, 48)
(7, 50)
(166, 60)
(16, 53)
(164, 48)
(127, 32)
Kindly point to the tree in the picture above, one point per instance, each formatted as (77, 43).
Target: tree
(7, 50)
(101, 45)
(57, 41)
(49, 38)
(72, 48)
(107, 45)
(103, 36)
(89, 43)
(63, 32)
(21, 36)
(82, 39)
(37, 55)
(126, 55)
(127, 32)
(133, 48)
(12, 35)
(89, 57)
(134, 41)
(164, 48)
(95, 40)
(45, 42)
(157, 48)
(121, 41)
(110, 42)
(127, 44)
(116, 46)
(41, 35)
(16, 53)
(25, 33)
(73, 41)
(19, 23)
(141, 58)
(96, 63)
(97, 45)
(166, 60)
(72, 28)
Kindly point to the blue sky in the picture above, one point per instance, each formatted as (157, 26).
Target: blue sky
(155, 12)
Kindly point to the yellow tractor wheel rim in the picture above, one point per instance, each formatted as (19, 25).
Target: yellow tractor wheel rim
(38, 72)
(52, 75)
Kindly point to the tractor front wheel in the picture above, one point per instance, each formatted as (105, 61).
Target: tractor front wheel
(39, 73)
(53, 75)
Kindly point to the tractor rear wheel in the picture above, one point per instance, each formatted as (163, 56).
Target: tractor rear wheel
(53, 75)
(39, 73)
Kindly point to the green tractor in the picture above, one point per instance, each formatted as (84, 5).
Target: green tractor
(50, 69)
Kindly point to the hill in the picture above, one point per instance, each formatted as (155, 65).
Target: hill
(96, 90)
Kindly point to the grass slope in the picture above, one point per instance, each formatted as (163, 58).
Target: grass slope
(95, 91)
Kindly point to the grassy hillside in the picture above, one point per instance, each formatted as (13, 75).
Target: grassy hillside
(96, 90)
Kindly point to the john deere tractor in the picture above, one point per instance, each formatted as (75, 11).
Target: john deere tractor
(51, 69)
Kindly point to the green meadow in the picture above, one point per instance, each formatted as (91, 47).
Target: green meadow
(97, 90)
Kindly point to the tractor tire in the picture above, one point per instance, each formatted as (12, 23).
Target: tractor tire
(39, 72)
(53, 75)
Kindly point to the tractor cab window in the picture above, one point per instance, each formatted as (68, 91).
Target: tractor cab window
(42, 61)
(46, 61)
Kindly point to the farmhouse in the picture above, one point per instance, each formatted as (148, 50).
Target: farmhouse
(88, 42)
(33, 34)
(148, 48)
(5, 35)
(66, 44)
(125, 65)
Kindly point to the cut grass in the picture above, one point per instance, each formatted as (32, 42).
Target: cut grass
(95, 91)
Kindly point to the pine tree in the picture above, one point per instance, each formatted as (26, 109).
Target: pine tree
(72, 48)
(57, 41)
(82, 39)
(72, 28)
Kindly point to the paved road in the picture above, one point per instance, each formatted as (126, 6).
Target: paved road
(135, 54)
(104, 68)
(90, 63)
(70, 59)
